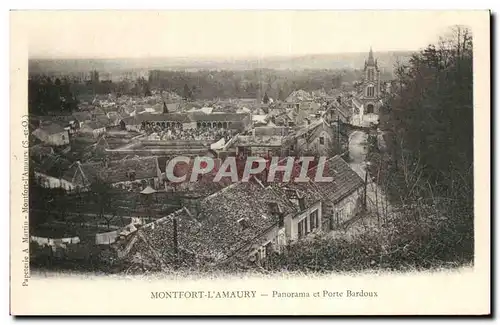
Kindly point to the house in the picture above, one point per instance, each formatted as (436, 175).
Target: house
(241, 222)
(318, 139)
(49, 168)
(300, 105)
(52, 134)
(131, 173)
(339, 109)
(367, 102)
(305, 223)
(236, 221)
(249, 221)
(281, 117)
(94, 128)
(341, 199)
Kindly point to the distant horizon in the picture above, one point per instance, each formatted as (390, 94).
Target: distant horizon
(223, 57)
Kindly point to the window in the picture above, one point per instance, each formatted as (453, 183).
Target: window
(322, 140)
(314, 220)
(302, 225)
(255, 257)
(268, 249)
(370, 91)
(63, 137)
(369, 108)
(339, 215)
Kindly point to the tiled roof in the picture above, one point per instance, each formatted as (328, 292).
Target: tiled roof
(156, 242)
(87, 173)
(216, 232)
(308, 128)
(345, 182)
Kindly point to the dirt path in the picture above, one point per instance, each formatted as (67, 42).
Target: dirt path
(358, 149)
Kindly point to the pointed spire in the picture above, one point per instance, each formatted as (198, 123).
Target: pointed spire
(371, 60)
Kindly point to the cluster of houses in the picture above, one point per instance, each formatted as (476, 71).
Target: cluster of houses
(248, 221)
(119, 142)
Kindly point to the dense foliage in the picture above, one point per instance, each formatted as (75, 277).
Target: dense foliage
(47, 95)
(426, 168)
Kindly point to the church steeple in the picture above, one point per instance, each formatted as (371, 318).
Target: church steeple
(371, 60)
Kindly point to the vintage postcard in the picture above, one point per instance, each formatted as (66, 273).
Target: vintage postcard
(250, 163)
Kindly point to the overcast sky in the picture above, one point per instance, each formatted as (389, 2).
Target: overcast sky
(229, 34)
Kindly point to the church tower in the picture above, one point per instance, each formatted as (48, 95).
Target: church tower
(371, 85)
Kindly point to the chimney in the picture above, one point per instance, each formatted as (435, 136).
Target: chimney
(302, 203)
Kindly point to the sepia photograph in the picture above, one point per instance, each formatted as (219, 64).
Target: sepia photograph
(319, 150)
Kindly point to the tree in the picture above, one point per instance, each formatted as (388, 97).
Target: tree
(428, 121)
